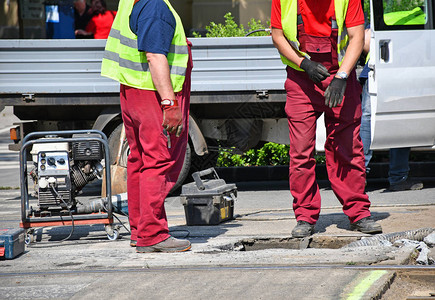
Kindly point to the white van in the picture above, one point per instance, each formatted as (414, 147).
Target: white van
(402, 76)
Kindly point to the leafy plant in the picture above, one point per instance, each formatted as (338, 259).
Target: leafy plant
(394, 5)
(271, 154)
(254, 25)
(403, 5)
(231, 29)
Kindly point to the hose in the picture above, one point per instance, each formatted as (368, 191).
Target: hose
(257, 30)
(380, 239)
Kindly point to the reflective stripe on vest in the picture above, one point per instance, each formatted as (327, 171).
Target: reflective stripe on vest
(124, 63)
(289, 9)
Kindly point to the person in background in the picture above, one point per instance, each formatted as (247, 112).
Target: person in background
(148, 53)
(399, 157)
(82, 16)
(101, 21)
(321, 42)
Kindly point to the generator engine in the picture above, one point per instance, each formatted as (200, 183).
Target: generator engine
(61, 170)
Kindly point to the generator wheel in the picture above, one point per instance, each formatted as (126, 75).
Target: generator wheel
(29, 236)
(112, 233)
(28, 239)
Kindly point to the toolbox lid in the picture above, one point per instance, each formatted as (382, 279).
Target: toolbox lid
(10, 233)
(200, 186)
(211, 187)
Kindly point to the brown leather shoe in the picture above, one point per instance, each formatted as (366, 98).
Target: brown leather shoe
(133, 243)
(171, 244)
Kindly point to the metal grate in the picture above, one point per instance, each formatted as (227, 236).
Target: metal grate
(47, 198)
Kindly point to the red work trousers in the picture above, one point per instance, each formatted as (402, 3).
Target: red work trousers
(343, 147)
(152, 168)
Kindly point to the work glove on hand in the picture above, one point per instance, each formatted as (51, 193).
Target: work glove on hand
(335, 92)
(172, 119)
(316, 71)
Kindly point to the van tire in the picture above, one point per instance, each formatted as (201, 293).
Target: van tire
(113, 140)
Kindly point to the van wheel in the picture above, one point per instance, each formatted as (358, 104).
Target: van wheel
(185, 169)
(113, 140)
(208, 160)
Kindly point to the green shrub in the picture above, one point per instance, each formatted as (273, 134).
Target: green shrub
(231, 29)
(403, 5)
(394, 5)
(271, 154)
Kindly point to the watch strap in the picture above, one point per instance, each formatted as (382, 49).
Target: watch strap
(169, 102)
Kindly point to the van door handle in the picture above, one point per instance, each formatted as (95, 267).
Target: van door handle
(385, 51)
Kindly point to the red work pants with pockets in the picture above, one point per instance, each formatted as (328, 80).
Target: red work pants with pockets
(343, 147)
(153, 167)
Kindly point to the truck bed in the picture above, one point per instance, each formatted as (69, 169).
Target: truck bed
(60, 71)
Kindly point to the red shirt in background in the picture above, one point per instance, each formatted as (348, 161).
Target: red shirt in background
(317, 15)
(100, 25)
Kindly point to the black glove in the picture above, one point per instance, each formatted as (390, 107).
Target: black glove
(316, 71)
(335, 92)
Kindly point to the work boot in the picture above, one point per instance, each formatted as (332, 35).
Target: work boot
(302, 229)
(133, 243)
(366, 225)
(171, 244)
(406, 185)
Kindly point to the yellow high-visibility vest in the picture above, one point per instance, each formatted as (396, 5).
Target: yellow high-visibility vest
(289, 10)
(124, 63)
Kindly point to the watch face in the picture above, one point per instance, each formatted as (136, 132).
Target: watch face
(167, 102)
(342, 75)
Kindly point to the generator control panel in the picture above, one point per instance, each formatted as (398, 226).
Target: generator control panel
(53, 163)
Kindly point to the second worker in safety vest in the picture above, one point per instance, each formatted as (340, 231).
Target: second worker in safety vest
(320, 42)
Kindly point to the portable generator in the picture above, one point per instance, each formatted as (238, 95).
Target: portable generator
(63, 163)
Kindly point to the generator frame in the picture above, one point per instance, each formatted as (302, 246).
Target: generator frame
(28, 222)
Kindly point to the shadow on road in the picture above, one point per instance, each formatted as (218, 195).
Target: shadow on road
(342, 221)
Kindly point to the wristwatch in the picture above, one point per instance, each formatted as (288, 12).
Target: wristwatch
(169, 102)
(342, 75)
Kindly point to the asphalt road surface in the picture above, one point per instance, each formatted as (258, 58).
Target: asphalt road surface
(88, 265)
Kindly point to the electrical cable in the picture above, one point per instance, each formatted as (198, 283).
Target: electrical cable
(122, 223)
(103, 204)
(125, 215)
(69, 211)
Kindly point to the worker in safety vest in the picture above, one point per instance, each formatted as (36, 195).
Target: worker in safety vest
(320, 42)
(148, 53)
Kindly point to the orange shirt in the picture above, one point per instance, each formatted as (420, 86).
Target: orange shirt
(100, 25)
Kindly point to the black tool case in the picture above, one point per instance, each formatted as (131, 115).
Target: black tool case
(208, 201)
